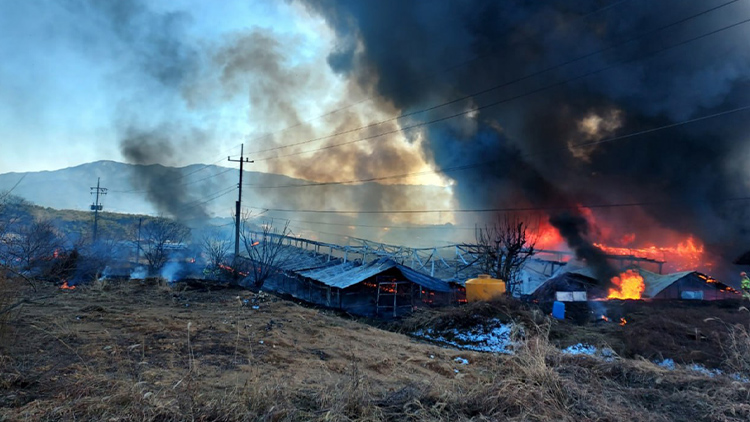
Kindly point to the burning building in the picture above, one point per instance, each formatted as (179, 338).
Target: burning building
(634, 283)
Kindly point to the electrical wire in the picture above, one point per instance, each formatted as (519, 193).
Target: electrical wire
(501, 210)
(527, 155)
(202, 201)
(490, 89)
(182, 176)
(449, 69)
(505, 100)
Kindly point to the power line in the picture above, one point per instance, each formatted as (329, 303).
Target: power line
(646, 131)
(493, 88)
(502, 210)
(183, 184)
(527, 155)
(451, 68)
(434, 227)
(8, 192)
(505, 100)
(199, 202)
(182, 176)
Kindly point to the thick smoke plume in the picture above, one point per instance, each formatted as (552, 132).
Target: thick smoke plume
(257, 69)
(164, 186)
(415, 55)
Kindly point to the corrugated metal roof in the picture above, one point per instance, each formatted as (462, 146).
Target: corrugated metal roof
(574, 267)
(293, 259)
(346, 275)
(655, 283)
(424, 280)
(327, 272)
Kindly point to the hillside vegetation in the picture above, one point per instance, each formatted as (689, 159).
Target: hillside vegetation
(147, 351)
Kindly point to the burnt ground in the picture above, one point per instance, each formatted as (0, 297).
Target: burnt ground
(687, 332)
(145, 351)
(684, 331)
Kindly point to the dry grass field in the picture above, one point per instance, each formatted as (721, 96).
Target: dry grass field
(133, 351)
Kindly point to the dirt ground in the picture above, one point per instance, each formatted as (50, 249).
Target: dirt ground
(146, 351)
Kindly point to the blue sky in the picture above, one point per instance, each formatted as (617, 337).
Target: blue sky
(71, 76)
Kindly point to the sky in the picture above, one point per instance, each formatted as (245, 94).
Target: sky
(547, 106)
(82, 76)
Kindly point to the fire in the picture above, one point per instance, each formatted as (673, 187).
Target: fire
(623, 321)
(547, 237)
(604, 317)
(688, 254)
(630, 285)
(256, 243)
(721, 286)
(66, 287)
(232, 270)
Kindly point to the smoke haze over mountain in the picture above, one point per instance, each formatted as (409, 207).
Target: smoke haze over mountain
(399, 50)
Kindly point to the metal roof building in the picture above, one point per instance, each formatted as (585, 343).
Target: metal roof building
(378, 288)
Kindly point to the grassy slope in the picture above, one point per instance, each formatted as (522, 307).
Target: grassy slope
(146, 352)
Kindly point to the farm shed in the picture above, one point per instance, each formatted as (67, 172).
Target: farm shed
(575, 280)
(687, 285)
(381, 288)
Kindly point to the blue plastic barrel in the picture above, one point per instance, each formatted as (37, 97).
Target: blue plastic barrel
(558, 310)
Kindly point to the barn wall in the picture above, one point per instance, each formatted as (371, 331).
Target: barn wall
(302, 289)
(359, 299)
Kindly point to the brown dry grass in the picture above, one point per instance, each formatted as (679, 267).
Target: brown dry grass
(147, 352)
(8, 303)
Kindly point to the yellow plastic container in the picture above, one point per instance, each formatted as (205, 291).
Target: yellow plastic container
(484, 288)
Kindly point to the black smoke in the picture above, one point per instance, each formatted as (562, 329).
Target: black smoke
(165, 187)
(418, 54)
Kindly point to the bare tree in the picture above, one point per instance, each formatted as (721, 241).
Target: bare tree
(503, 248)
(216, 250)
(13, 215)
(264, 248)
(96, 256)
(158, 237)
(34, 244)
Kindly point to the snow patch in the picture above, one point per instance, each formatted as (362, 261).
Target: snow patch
(494, 337)
(667, 363)
(607, 354)
(580, 349)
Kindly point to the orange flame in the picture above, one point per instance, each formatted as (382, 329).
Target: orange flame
(630, 285)
(686, 255)
(547, 237)
(66, 287)
(232, 270)
(623, 321)
(604, 317)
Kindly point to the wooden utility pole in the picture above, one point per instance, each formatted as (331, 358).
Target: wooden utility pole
(242, 160)
(138, 243)
(96, 206)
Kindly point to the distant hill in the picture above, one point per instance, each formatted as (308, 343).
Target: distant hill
(69, 188)
(213, 189)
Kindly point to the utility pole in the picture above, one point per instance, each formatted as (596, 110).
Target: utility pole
(242, 160)
(138, 243)
(96, 206)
